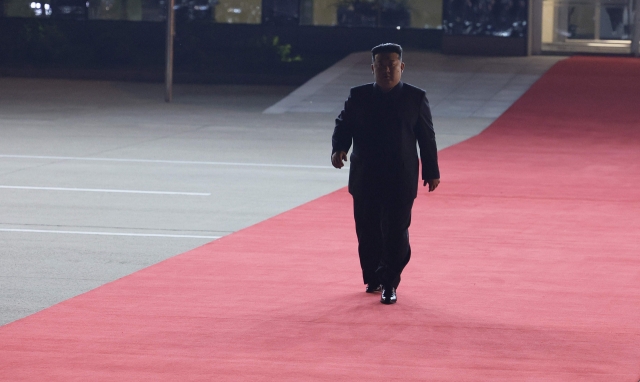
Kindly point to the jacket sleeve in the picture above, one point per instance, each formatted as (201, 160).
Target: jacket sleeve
(343, 132)
(426, 137)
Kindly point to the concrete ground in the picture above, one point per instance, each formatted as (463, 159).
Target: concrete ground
(101, 179)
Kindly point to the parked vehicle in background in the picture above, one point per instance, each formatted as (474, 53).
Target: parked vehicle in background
(70, 9)
(188, 10)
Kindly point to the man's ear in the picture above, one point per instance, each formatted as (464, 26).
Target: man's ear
(372, 69)
(402, 66)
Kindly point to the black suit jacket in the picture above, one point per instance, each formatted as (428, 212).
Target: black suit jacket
(384, 129)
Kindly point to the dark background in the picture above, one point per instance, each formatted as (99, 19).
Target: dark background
(204, 52)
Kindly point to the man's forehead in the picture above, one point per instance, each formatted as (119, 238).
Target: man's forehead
(387, 56)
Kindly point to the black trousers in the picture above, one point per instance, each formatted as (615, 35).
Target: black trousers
(382, 228)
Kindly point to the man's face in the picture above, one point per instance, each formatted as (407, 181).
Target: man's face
(387, 70)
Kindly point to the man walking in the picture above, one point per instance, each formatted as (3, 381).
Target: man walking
(384, 120)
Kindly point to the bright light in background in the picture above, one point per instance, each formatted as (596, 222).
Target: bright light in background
(38, 7)
(608, 44)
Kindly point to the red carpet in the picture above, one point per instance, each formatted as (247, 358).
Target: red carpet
(526, 267)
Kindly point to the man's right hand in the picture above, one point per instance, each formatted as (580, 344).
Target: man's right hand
(338, 158)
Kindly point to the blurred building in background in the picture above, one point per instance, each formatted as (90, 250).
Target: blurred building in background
(467, 26)
(585, 25)
(357, 13)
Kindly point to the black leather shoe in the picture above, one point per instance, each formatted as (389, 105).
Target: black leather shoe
(373, 288)
(388, 295)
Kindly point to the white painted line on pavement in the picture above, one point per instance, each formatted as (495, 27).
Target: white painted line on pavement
(166, 161)
(106, 190)
(107, 233)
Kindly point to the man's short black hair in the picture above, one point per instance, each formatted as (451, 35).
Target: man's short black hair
(386, 48)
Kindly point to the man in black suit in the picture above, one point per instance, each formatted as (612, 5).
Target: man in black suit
(384, 120)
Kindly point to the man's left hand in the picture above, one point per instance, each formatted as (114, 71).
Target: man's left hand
(433, 183)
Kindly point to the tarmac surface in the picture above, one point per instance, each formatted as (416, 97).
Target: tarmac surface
(101, 179)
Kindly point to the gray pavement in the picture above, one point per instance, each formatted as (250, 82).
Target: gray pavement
(101, 179)
(466, 93)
